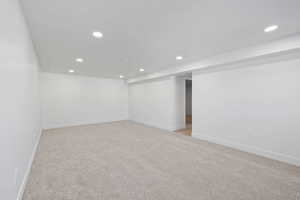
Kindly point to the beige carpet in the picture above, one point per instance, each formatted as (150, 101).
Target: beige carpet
(128, 161)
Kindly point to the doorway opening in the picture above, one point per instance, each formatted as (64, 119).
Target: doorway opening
(187, 106)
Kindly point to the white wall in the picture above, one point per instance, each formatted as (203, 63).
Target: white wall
(156, 103)
(69, 100)
(179, 111)
(19, 107)
(255, 109)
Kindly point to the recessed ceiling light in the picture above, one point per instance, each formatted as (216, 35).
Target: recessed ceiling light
(71, 71)
(179, 57)
(271, 28)
(80, 60)
(97, 34)
(141, 69)
(121, 76)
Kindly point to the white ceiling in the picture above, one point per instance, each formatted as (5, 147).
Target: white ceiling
(149, 34)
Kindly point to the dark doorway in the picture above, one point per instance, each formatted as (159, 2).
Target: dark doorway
(188, 104)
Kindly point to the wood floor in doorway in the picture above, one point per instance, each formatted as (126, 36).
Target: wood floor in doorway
(187, 131)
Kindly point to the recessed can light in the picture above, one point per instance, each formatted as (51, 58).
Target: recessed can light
(179, 57)
(141, 70)
(271, 28)
(80, 60)
(97, 34)
(71, 71)
(121, 76)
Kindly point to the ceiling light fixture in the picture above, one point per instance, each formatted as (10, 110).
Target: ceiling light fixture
(141, 69)
(271, 28)
(179, 57)
(121, 76)
(71, 71)
(80, 60)
(97, 34)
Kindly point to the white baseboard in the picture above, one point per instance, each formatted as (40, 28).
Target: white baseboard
(25, 178)
(66, 125)
(269, 154)
(153, 125)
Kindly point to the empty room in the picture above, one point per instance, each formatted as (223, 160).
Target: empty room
(149, 99)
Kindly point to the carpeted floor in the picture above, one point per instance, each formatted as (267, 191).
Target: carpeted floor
(128, 161)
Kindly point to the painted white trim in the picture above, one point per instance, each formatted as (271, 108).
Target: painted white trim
(281, 47)
(249, 149)
(153, 125)
(27, 172)
(83, 124)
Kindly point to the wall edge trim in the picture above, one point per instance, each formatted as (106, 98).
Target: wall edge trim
(27, 172)
(250, 149)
